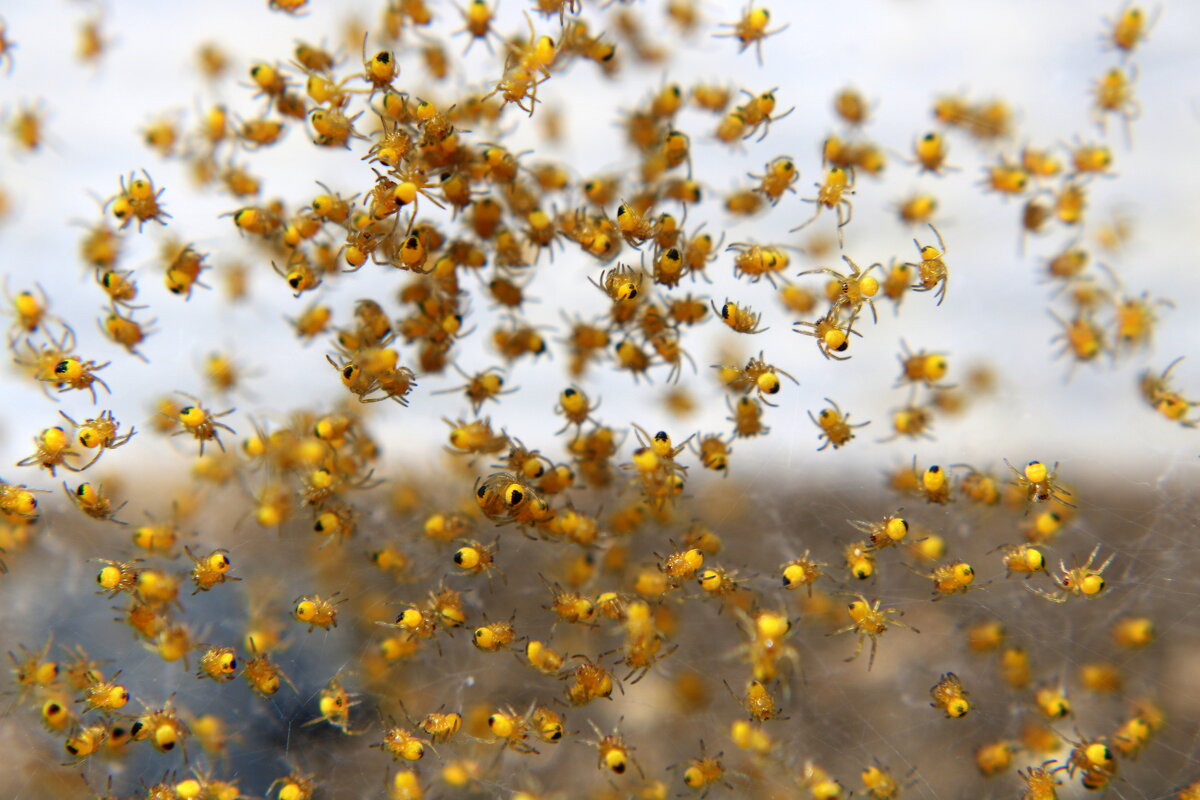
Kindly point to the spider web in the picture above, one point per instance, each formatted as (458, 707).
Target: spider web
(1133, 474)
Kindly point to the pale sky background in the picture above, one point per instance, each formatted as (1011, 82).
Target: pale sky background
(1039, 57)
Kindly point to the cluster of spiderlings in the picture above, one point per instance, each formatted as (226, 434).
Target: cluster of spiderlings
(370, 615)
